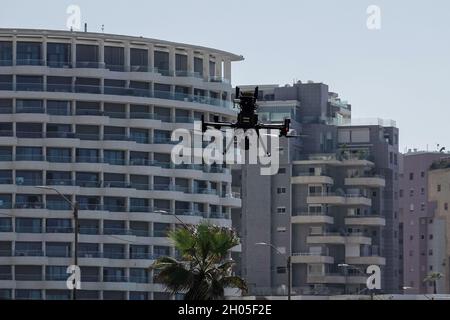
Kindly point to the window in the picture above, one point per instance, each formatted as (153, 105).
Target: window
(411, 192)
(114, 58)
(446, 206)
(430, 237)
(411, 207)
(422, 174)
(422, 206)
(281, 210)
(281, 190)
(281, 170)
(29, 53)
(438, 188)
(139, 60)
(411, 176)
(401, 193)
(58, 55)
(281, 229)
(5, 54)
(87, 56)
(281, 270)
(422, 191)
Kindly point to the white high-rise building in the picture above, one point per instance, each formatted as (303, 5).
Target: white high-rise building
(91, 115)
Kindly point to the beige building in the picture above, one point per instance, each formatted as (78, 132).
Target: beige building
(439, 226)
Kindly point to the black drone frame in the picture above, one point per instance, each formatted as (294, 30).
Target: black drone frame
(248, 119)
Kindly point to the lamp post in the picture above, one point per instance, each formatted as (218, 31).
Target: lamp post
(288, 264)
(74, 207)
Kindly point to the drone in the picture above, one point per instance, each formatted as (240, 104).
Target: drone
(247, 118)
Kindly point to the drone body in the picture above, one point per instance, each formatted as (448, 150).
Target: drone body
(247, 118)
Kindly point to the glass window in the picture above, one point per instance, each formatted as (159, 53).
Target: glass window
(29, 106)
(114, 204)
(198, 66)
(58, 249)
(89, 226)
(5, 53)
(139, 275)
(28, 225)
(6, 177)
(113, 275)
(28, 294)
(114, 58)
(56, 273)
(161, 62)
(87, 56)
(87, 179)
(58, 55)
(139, 135)
(114, 157)
(6, 105)
(5, 201)
(29, 83)
(59, 84)
(88, 155)
(139, 205)
(58, 225)
(58, 108)
(5, 294)
(28, 249)
(88, 202)
(5, 224)
(59, 155)
(136, 295)
(29, 178)
(139, 59)
(29, 53)
(114, 227)
(29, 154)
(58, 294)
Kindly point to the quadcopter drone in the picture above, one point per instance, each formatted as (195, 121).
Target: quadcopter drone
(248, 118)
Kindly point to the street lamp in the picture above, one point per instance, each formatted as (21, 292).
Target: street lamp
(288, 263)
(74, 206)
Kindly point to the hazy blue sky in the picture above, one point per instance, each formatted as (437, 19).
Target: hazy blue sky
(401, 72)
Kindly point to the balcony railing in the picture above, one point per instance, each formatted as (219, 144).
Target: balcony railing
(97, 89)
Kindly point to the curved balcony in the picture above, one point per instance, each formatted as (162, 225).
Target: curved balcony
(366, 260)
(308, 178)
(366, 181)
(311, 258)
(301, 217)
(376, 221)
(117, 91)
(339, 238)
(336, 278)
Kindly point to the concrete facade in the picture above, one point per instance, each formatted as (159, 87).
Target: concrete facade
(332, 208)
(439, 226)
(416, 211)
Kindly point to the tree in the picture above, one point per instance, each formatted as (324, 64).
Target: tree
(433, 277)
(203, 272)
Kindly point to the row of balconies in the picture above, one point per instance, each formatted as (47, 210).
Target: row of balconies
(365, 181)
(118, 91)
(112, 161)
(318, 258)
(338, 199)
(323, 218)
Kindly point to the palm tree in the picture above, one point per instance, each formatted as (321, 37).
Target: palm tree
(433, 277)
(203, 272)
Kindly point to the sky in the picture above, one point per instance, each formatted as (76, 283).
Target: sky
(400, 71)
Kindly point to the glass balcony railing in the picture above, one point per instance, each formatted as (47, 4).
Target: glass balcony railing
(6, 63)
(30, 62)
(97, 89)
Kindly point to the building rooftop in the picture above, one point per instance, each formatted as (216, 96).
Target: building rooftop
(112, 37)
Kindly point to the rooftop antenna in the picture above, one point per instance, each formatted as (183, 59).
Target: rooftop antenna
(85, 27)
(103, 28)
